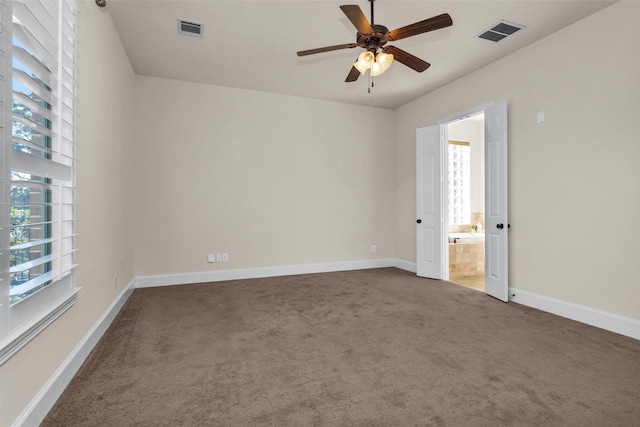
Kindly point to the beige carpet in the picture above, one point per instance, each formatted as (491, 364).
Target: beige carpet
(362, 348)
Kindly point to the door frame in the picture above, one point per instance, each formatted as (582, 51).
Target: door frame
(444, 142)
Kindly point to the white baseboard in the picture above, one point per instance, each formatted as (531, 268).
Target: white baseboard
(600, 319)
(42, 403)
(405, 265)
(253, 273)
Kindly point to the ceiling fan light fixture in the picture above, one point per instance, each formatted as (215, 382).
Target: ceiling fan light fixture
(382, 64)
(364, 62)
(373, 39)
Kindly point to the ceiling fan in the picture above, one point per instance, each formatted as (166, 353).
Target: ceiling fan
(377, 56)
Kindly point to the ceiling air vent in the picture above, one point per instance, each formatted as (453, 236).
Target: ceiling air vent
(500, 31)
(188, 28)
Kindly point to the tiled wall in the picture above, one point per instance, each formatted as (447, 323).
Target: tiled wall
(466, 259)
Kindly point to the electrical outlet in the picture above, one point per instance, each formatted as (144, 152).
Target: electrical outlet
(219, 258)
(373, 249)
(115, 280)
(211, 258)
(225, 257)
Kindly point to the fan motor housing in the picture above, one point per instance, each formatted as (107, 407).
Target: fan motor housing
(375, 40)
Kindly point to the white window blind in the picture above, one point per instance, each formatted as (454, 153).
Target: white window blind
(38, 210)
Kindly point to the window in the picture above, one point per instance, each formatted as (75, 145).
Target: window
(459, 183)
(37, 172)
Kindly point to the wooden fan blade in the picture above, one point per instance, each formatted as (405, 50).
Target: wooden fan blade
(435, 23)
(326, 49)
(407, 59)
(353, 75)
(357, 18)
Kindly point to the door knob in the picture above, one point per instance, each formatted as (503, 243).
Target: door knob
(500, 226)
(419, 221)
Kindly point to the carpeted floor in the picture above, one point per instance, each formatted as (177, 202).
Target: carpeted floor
(361, 348)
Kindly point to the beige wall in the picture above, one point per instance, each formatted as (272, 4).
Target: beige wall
(105, 229)
(272, 180)
(574, 200)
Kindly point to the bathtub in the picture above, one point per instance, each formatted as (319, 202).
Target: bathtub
(466, 254)
(466, 237)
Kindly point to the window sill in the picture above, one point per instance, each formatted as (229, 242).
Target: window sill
(21, 336)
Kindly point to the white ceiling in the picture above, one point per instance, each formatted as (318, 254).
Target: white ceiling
(253, 44)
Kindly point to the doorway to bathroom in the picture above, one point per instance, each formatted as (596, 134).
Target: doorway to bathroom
(432, 205)
(465, 201)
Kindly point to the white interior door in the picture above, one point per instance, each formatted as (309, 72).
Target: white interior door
(496, 215)
(431, 259)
